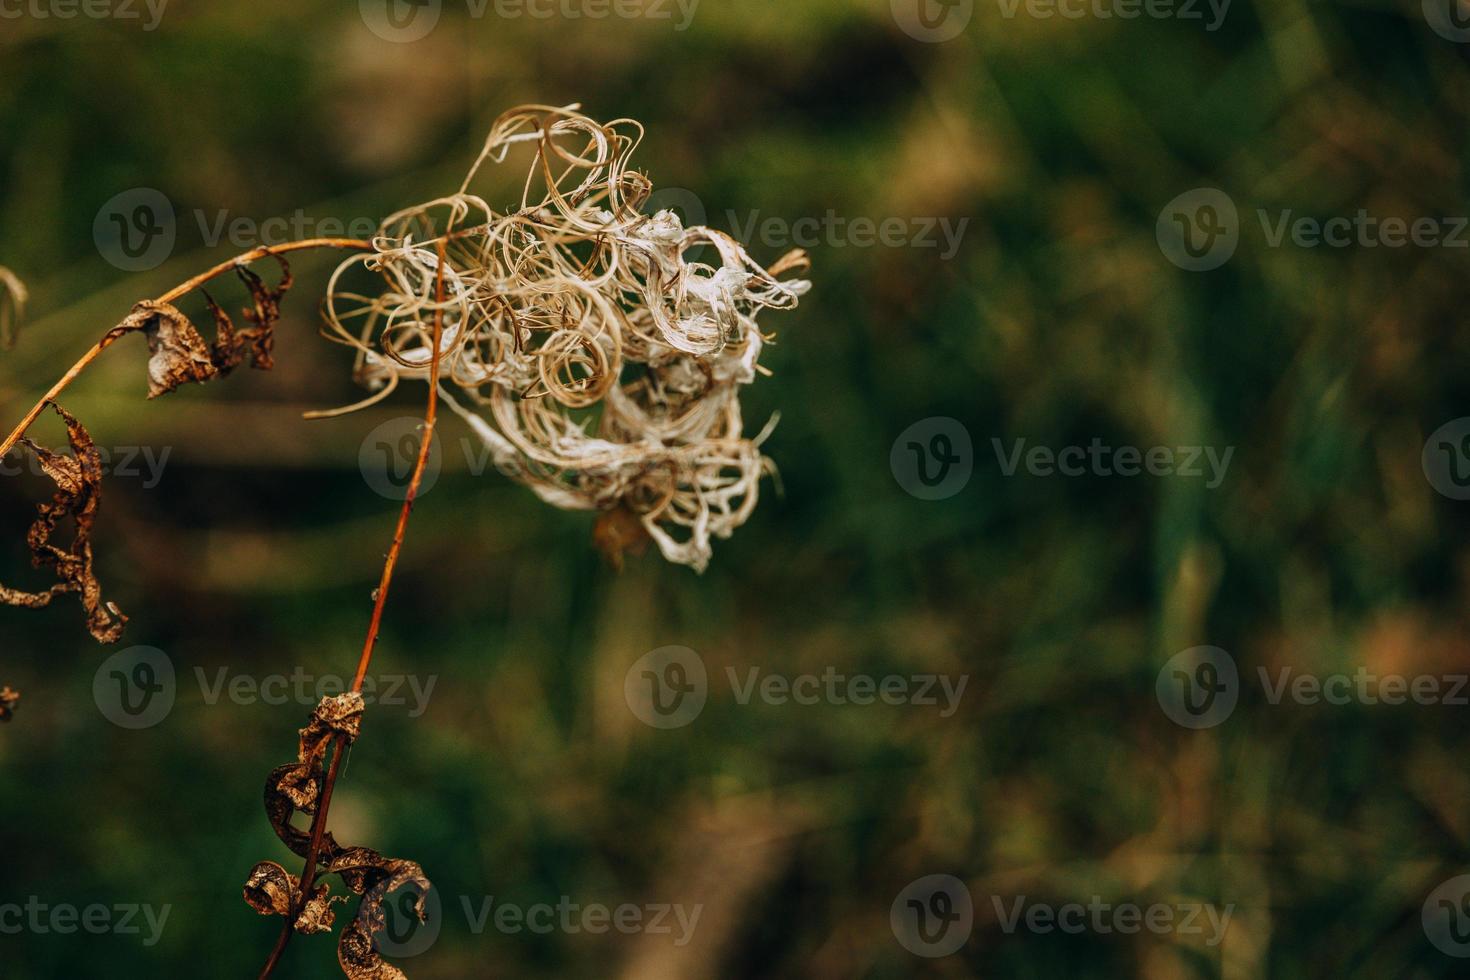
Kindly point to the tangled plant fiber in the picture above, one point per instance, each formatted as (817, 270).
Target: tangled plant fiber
(597, 351)
(599, 362)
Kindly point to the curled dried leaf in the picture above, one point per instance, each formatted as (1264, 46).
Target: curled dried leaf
(271, 890)
(12, 307)
(78, 479)
(9, 698)
(179, 353)
(357, 953)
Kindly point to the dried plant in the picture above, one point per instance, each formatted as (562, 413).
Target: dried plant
(584, 342)
(12, 306)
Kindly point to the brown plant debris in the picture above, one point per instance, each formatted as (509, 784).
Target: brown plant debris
(12, 307)
(78, 479)
(596, 349)
(271, 890)
(9, 698)
(179, 354)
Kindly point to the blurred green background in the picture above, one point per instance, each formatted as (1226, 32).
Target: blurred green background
(794, 828)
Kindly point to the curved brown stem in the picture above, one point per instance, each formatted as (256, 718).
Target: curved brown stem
(380, 601)
(168, 297)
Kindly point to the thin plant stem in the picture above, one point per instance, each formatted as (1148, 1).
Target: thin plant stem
(380, 601)
(168, 297)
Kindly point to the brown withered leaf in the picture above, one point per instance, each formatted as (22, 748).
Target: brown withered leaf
(271, 890)
(78, 479)
(179, 354)
(617, 532)
(9, 698)
(357, 954)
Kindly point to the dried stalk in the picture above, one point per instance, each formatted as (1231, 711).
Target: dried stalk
(380, 600)
(177, 292)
